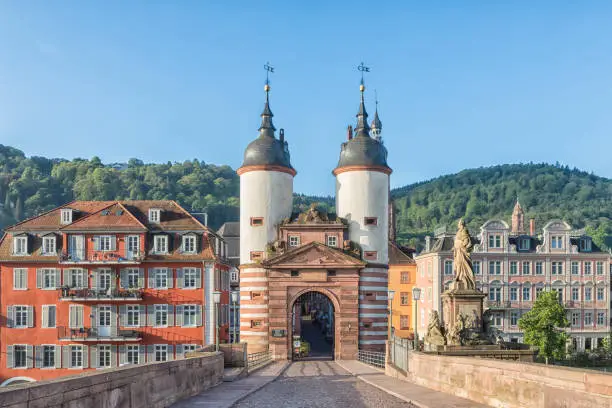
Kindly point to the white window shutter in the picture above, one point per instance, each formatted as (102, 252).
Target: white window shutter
(85, 279)
(29, 356)
(122, 354)
(114, 321)
(96, 241)
(72, 316)
(150, 315)
(85, 356)
(9, 356)
(170, 275)
(45, 316)
(10, 316)
(66, 356)
(141, 282)
(180, 354)
(38, 356)
(113, 355)
(199, 315)
(113, 243)
(198, 278)
(113, 282)
(151, 283)
(94, 316)
(142, 316)
(122, 315)
(123, 279)
(94, 279)
(39, 279)
(94, 356)
(179, 315)
(150, 353)
(141, 354)
(67, 278)
(30, 316)
(58, 278)
(170, 352)
(179, 278)
(58, 357)
(170, 315)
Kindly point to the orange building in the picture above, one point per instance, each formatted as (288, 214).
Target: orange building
(402, 276)
(101, 284)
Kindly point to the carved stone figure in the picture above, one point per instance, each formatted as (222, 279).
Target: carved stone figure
(462, 259)
(434, 334)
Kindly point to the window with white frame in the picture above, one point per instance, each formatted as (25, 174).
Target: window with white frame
(599, 267)
(154, 215)
(133, 275)
(77, 278)
(189, 315)
(476, 267)
(588, 294)
(539, 268)
(538, 292)
(588, 318)
(513, 294)
(575, 294)
(601, 318)
(601, 294)
(189, 244)
(556, 242)
(513, 268)
(190, 278)
(20, 278)
(160, 244)
(48, 246)
(448, 267)
(494, 267)
(575, 268)
(514, 316)
(76, 356)
(559, 293)
(48, 279)
(49, 316)
(132, 318)
(20, 246)
(332, 241)
(66, 216)
(132, 355)
(585, 245)
(588, 268)
(48, 356)
(161, 316)
(557, 268)
(161, 352)
(187, 348)
(526, 294)
(160, 278)
(524, 244)
(497, 319)
(133, 244)
(294, 240)
(105, 243)
(495, 294)
(526, 268)
(495, 241)
(575, 318)
(21, 316)
(20, 356)
(104, 356)
(234, 276)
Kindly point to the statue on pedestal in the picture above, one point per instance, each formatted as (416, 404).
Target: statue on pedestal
(463, 261)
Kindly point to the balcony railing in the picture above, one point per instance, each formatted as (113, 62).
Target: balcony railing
(99, 257)
(95, 334)
(93, 295)
(497, 304)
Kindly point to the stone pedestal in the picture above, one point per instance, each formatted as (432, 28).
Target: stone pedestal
(467, 302)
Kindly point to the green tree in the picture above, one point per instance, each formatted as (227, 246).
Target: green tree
(543, 326)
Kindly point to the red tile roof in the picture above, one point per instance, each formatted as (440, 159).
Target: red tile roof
(114, 217)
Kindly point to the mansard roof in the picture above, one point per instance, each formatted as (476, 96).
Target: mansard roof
(314, 255)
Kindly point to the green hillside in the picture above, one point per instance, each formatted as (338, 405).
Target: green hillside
(30, 185)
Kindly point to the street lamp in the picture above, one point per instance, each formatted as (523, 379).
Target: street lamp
(416, 295)
(390, 295)
(234, 301)
(217, 300)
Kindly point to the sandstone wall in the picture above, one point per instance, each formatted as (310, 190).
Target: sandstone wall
(510, 384)
(152, 385)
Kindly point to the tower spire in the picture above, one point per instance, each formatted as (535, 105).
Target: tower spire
(376, 123)
(362, 129)
(267, 127)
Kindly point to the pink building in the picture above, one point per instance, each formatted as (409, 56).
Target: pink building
(513, 266)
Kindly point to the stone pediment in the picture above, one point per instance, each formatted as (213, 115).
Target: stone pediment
(314, 255)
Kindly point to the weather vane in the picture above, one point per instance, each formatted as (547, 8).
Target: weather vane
(363, 69)
(269, 69)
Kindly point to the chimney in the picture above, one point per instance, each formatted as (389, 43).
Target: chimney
(532, 227)
(349, 132)
(427, 243)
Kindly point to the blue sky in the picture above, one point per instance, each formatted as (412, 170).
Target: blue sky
(461, 84)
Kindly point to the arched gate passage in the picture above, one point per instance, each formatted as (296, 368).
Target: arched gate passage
(313, 326)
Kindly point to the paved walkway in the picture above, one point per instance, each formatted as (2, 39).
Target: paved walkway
(417, 395)
(228, 393)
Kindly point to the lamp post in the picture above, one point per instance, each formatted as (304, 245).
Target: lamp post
(217, 300)
(234, 301)
(390, 295)
(416, 295)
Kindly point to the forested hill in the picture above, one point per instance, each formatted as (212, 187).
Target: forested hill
(31, 185)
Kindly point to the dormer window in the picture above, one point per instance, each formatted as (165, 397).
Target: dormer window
(495, 241)
(189, 244)
(160, 244)
(556, 242)
(585, 244)
(154, 215)
(66, 216)
(20, 246)
(294, 240)
(524, 244)
(49, 246)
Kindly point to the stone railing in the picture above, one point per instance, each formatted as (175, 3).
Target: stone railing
(152, 385)
(509, 384)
